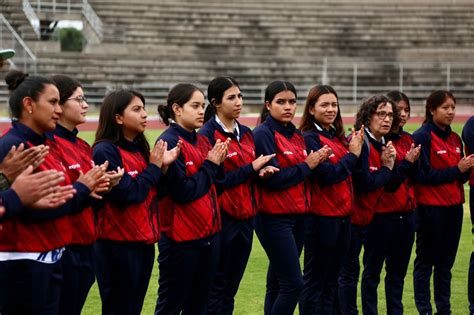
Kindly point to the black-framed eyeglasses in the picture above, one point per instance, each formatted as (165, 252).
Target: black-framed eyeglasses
(80, 99)
(383, 114)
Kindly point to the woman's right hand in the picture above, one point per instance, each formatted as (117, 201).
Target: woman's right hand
(259, 162)
(218, 153)
(388, 155)
(93, 177)
(466, 163)
(315, 157)
(357, 141)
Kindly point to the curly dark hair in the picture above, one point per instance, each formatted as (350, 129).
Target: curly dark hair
(369, 107)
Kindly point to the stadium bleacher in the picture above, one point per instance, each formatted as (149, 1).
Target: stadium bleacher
(418, 45)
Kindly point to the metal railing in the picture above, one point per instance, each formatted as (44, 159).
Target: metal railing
(72, 6)
(358, 78)
(32, 17)
(9, 39)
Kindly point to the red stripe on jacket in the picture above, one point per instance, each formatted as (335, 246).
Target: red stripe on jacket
(443, 154)
(333, 200)
(135, 222)
(295, 199)
(199, 218)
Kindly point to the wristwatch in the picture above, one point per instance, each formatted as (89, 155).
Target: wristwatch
(4, 182)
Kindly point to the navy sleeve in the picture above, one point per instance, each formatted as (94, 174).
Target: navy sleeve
(182, 188)
(468, 135)
(400, 173)
(328, 173)
(366, 181)
(129, 190)
(208, 133)
(10, 200)
(78, 203)
(286, 177)
(426, 174)
(235, 177)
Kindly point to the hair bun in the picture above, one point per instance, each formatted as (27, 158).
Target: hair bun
(14, 78)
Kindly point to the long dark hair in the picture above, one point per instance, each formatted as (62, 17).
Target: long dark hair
(215, 93)
(180, 94)
(66, 86)
(435, 100)
(369, 107)
(22, 85)
(271, 91)
(307, 121)
(108, 130)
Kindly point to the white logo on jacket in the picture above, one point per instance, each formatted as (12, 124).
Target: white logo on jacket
(133, 173)
(441, 152)
(288, 153)
(74, 166)
(189, 163)
(231, 154)
(373, 168)
(458, 150)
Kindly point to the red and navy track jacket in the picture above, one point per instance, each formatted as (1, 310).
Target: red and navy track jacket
(39, 231)
(235, 181)
(399, 194)
(369, 178)
(190, 209)
(76, 156)
(286, 191)
(439, 180)
(468, 137)
(331, 182)
(130, 211)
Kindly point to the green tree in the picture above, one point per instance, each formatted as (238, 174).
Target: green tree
(71, 39)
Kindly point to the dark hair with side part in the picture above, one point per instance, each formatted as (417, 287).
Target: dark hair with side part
(108, 130)
(398, 96)
(66, 86)
(271, 91)
(435, 100)
(369, 107)
(307, 121)
(22, 85)
(215, 93)
(180, 94)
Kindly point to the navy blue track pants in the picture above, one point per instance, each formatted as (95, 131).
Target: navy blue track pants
(235, 247)
(78, 277)
(123, 272)
(349, 274)
(438, 230)
(282, 238)
(29, 287)
(389, 240)
(187, 270)
(327, 241)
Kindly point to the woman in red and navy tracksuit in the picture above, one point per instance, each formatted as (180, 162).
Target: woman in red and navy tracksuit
(373, 171)
(32, 243)
(77, 260)
(237, 197)
(189, 213)
(284, 197)
(391, 234)
(327, 229)
(439, 195)
(468, 137)
(128, 221)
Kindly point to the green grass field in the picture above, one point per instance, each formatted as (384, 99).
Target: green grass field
(250, 297)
